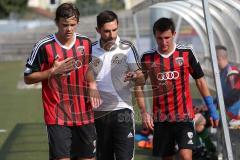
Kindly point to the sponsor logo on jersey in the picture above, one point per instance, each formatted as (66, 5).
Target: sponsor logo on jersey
(170, 75)
(28, 70)
(130, 135)
(116, 60)
(190, 136)
(96, 62)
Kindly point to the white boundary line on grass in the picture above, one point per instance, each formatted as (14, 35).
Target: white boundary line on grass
(3, 130)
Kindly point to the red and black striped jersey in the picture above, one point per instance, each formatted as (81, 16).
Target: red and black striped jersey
(64, 97)
(169, 76)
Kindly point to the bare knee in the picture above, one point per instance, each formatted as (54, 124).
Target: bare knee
(185, 154)
(186, 157)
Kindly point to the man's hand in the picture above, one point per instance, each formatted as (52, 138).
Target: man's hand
(63, 67)
(94, 96)
(147, 120)
(214, 116)
(130, 76)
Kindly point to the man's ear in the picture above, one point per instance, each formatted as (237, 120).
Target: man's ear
(97, 29)
(174, 33)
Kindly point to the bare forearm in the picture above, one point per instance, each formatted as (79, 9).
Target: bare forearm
(140, 78)
(94, 95)
(202, 87)
(146, 117)
(36, 77)
(91, 80)
(90, 76)
(138, 90)
(59, 68)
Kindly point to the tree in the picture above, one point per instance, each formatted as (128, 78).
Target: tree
(8, 7)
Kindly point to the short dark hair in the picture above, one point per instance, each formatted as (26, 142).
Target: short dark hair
(67, 10)
(163, 24)
(218, 47)
(105, 17)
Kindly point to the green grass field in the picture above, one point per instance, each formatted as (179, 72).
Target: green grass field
(19, 110)
(21, 115)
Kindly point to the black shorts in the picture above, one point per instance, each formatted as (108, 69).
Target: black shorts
(115, 135)
(71, 141)
(168, 135)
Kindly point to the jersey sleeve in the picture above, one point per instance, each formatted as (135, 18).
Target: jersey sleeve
(195, 67)
(133, 59)
(90, 51)
(143, 64)
(35, 60)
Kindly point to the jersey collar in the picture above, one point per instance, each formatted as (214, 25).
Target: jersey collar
(63, 46)
(169, 54)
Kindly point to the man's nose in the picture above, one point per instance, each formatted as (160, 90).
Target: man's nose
(69, 28)
(111, 34)
(164, 41)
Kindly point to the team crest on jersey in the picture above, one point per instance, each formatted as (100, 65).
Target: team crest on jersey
(179, 61)
(80, 49)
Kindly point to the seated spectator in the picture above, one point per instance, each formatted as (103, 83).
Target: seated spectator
(205, 148)
(230, 81)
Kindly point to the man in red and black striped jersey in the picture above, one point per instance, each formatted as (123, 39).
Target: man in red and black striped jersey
(61, 62)
(169, 66)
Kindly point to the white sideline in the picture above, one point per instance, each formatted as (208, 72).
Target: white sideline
(3, 130)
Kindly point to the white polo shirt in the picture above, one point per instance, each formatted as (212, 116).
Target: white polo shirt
(109, 68)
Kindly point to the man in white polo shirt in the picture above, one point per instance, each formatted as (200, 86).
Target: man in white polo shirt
(115, 64)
